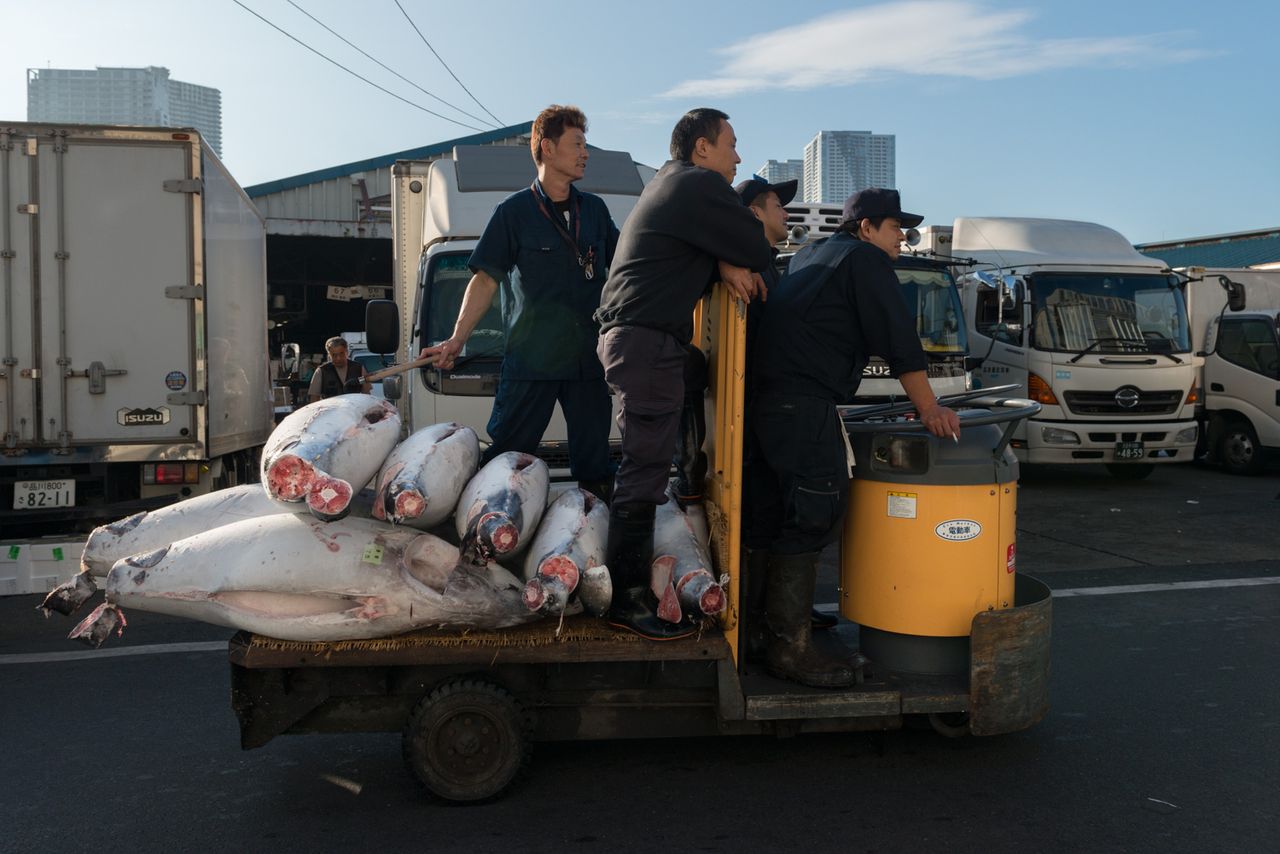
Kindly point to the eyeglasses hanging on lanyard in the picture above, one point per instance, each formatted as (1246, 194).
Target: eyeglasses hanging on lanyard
(588, 261)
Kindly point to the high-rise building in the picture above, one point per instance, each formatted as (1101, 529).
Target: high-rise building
(777, 171)
(839, 163)
(124, 96)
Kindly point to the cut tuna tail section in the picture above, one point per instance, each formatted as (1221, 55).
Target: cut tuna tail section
(329, 498)
(67, 597)
(98, 626)
(290, 478)
(698, 591)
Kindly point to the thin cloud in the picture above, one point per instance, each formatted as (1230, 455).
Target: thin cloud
(947, 38)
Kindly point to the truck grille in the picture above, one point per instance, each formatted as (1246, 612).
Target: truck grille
(1108, 402)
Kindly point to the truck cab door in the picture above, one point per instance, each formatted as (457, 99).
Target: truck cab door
(996, 316)
(1243, 373)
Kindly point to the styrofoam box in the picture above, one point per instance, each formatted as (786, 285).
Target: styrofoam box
(38, 567)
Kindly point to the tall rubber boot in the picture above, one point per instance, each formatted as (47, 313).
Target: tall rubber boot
(789, 597)
(630, 553)
(755, 571)
(690, 460)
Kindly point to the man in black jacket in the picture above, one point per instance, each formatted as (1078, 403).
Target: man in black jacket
(688, 229)
(839, 304)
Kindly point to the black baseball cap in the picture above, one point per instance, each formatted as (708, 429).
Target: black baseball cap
(878, 202)
(755, 186)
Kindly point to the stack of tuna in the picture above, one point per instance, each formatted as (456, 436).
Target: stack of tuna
(301, 556)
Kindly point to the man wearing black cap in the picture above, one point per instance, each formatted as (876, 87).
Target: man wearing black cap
(766, 202)
(839, 304)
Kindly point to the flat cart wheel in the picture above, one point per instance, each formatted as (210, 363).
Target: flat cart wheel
(467, 740)
(951, 725)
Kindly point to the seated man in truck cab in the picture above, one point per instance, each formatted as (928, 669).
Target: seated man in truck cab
(839, 304)
(553, 245)
(337, 376)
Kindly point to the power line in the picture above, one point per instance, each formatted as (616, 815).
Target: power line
(354, 74)
(442, 62)
(396, 73)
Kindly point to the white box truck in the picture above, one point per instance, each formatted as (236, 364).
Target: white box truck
(1094, 331)
(439, 209)
(1239, 352)
(133, 328)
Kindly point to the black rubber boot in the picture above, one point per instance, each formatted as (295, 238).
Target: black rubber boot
(789, 604)
(602, 489)
(630, 553)
(755, 570)
(822, 620)
(690, 461)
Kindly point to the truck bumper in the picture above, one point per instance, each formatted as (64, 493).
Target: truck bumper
(1096, 442)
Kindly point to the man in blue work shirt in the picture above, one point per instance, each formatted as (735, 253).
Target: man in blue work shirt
(550, 246)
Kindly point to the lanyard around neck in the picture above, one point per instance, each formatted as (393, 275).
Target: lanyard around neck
(570, 239)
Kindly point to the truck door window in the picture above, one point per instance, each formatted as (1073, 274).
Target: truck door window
(1250, 344)
(445, 284)
(939, 315)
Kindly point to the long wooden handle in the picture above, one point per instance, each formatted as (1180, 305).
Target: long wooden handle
(400, 369)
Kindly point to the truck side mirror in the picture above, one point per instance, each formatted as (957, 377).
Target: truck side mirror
(1011, 291)
(1235, 293)
(382, 326)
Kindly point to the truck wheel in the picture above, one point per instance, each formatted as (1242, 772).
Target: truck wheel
(467, 740)
(952, 725)
(1238, 449)
(1130, 471)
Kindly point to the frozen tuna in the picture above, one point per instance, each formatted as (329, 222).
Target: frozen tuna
(682, 563)
(500, 508)
(294, 578)
(421, 481)
(570, 540)
(328, 450)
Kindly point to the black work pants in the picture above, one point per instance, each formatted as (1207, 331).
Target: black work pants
(796, 475)
(645, 368)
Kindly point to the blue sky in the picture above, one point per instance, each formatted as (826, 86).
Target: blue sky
(1156, 118)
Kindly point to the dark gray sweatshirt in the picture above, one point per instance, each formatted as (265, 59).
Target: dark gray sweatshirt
(688, 219)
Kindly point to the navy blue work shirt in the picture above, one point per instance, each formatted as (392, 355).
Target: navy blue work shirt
(547, 300)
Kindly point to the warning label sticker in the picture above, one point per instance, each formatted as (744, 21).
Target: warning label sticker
(902, 505)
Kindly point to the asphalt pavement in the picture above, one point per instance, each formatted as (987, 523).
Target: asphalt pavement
(1163, 733)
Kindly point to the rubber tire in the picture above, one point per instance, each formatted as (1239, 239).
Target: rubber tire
(1130, 471)
(467, 740)
(950, 725)
(1237, 448)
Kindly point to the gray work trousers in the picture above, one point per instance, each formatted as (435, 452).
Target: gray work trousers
(645, 369)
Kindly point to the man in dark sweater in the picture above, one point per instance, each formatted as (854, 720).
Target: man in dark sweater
(688, 230)
(839, 304)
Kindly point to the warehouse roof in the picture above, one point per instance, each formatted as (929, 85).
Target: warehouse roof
(385, 160)
(1241, 249)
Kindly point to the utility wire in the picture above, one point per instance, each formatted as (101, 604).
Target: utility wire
(396, 73)
(442, 62)
(354, 74)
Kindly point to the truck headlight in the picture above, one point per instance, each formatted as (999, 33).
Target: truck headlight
(1186, 436)
(1056, 436)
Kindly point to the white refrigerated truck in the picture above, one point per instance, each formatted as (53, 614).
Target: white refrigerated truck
(439, 209)
(133, 328)
(1239, 353)
(1094, 331)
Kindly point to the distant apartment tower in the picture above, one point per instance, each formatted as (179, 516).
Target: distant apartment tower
(124, 96)
(777, 171)
(839, 163)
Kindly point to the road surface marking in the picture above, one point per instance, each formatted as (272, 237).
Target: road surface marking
(826, 607)
(830, 607)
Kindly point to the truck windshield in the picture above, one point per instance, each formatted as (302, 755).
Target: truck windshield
(939, 317)
(446, 282)
(1106, 313)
